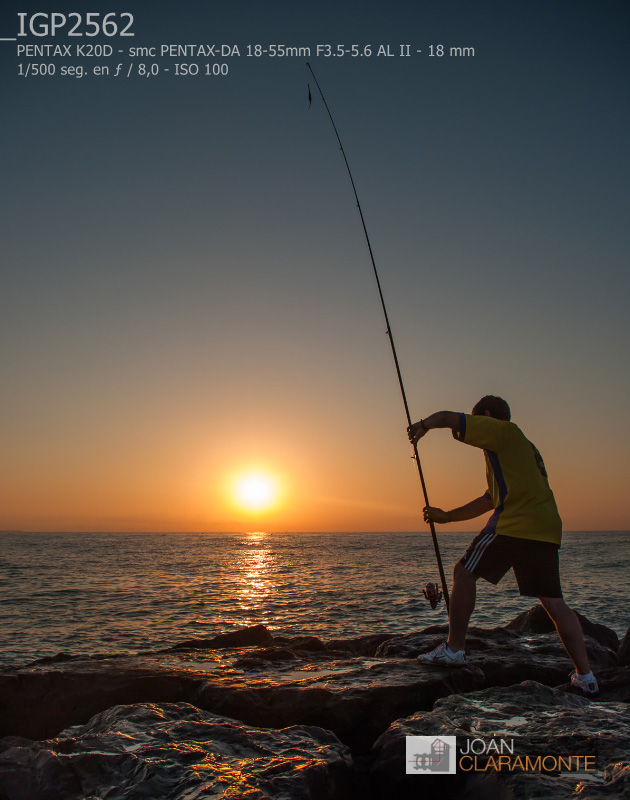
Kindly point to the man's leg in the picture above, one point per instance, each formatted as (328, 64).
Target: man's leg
(487, 557)
(569, 631)
(462, 605)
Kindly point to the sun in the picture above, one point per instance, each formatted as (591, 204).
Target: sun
(255, 491)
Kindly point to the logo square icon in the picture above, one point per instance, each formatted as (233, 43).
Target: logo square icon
(431, 755)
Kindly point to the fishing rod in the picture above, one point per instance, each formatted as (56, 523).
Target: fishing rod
(430, 592)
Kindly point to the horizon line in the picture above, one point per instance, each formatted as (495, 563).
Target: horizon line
(272, 533)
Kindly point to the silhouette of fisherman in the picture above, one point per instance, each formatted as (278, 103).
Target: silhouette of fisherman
(523, 533)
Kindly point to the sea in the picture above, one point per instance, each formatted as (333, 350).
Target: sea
(88, 593)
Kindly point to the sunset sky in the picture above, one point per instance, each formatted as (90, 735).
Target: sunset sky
(187, 297)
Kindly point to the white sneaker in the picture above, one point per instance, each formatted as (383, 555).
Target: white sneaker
(586, 686)
(444, 656)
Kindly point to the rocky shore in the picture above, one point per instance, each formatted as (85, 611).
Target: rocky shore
(251, 715)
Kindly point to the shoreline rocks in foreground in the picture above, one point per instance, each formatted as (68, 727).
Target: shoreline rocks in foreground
(146, 750)
(247, 714)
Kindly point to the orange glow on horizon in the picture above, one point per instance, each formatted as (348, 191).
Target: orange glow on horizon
(322, 480)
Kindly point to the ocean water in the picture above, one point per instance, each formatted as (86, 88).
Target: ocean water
(86, 593)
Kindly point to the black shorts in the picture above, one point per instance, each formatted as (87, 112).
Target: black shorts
(535, 563)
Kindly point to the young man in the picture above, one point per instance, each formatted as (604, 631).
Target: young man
(523, 532)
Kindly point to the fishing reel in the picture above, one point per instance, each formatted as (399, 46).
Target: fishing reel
(432, 594)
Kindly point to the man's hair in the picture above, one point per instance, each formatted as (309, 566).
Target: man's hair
(497, 407)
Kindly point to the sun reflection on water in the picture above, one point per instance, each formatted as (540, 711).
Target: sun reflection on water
(253, 571)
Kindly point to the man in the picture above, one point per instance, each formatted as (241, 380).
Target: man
(523, 532)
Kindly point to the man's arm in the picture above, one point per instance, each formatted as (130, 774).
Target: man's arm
(481, 505)
(441, 419)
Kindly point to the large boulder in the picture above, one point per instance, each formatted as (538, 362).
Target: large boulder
(534, 720)
(175, 751)
(356, 701)
(536, 620)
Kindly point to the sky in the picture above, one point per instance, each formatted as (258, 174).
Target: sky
(187, 296)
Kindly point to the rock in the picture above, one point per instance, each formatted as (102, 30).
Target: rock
(362, 645)
(176, 751)
(537, 720)
(504, 656)
(536, 620)
(264, 655)
(411, 644)
(358, 697)
(358, 689)
(614, 684)
(246, 637)
(250, 663)
(357, 704)
(353, 696)
(616, 780)
(54, 659)
(310, 644)
(14, 741)
(623, 655)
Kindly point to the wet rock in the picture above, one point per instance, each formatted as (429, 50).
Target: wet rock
(361, 645)
(504, 656)
(616, 783)
(38, 703)
(356, 688)
(309, 644)
(536, 620)
(246, 637)
(412, 644)
(614, 684)
(274, 685)
(264, 655)
(355, 701)
(176, 751)
(353, 696)
(54, 659)
(356, 714)
(249, 663)
(14, 741)
(535, 720)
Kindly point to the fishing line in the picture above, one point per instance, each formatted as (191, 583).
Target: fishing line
(416, 455)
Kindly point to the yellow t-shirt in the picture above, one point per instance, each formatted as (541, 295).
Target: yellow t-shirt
(524, 505)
